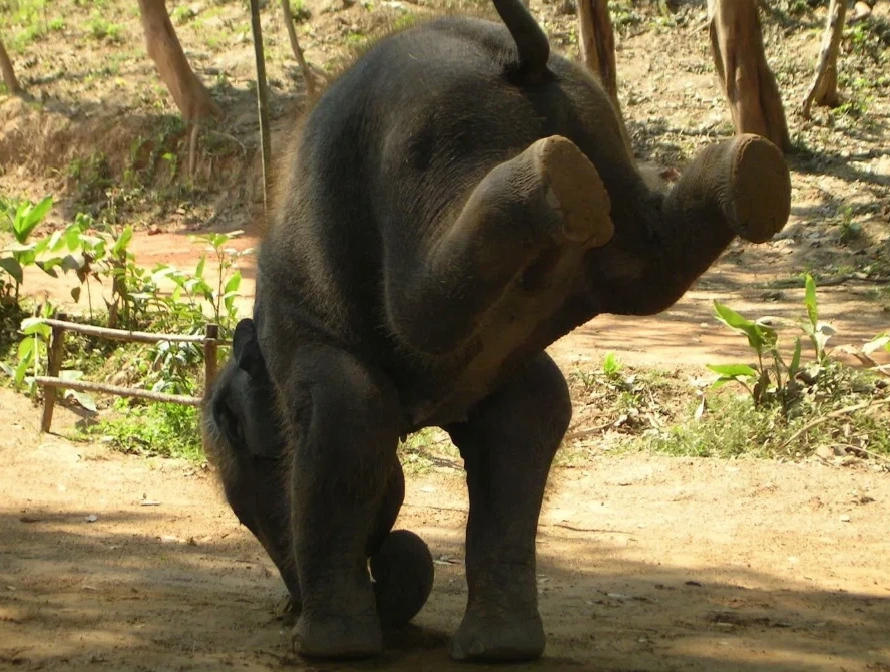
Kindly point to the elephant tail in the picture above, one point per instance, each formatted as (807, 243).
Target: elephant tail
(531, 40)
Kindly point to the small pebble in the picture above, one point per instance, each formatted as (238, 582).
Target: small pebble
(845, 518)
(92, 518)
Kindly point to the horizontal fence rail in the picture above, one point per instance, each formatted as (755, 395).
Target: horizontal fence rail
(50, 383)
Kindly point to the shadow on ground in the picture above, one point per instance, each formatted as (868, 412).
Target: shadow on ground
(78, 595)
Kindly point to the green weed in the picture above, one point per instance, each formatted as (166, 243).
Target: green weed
(161, 429)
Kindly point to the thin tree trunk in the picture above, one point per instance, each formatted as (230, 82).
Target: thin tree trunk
(823, 91)
(12, 84)
(262, 97)
(750, 86)
(597, 43)
(308, 77)
(192, 99)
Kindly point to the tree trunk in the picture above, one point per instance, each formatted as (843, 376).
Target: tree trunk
(823, 91)
(12, 84)
(750, 86)
(597, 43)
(189, 94)
(308, 77)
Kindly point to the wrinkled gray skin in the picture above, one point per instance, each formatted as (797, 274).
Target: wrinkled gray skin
(244, 443)
(458, 200)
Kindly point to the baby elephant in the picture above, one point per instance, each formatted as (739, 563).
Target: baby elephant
(243, 442)
(456, 201)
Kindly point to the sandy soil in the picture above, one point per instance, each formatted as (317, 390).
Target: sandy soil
(645, 563)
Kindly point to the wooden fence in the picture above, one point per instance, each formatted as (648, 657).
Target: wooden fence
(51, 382)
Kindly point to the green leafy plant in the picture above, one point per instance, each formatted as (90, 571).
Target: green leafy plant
(611, 365)
(818, 332)
(23, 220)
(770, 380)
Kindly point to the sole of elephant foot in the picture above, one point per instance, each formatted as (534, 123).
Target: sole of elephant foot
(338, 638)
(575, 190)
(493, 640)
(761, 184)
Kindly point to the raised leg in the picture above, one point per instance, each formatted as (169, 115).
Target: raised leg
(508, 444)
(345, 420)
(525, 215)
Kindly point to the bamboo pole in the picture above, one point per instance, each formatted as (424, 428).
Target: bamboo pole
(88, 386)
(126, 335)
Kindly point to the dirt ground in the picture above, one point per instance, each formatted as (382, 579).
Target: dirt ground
(645, 563)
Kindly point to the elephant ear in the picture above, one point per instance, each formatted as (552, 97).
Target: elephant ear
(246, 348)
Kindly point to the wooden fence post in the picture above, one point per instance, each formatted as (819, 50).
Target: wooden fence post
(211, 333)
(53, 366)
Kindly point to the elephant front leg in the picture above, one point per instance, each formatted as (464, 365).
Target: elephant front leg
(521, 222)
(344, 418)
(508, 444)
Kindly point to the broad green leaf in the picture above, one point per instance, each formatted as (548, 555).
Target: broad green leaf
(731, 318)
(720, 382)
(21, 370)
(737, 322)
(26, 347)
(28, 324)
(810, 300)
(30, 218)
(73, 262)
(55, 241)
(733, 370)
(49, 266)
(234, 282)
(84, 400)
(795, 360)
(7, 369)
(72, 237)
(199, 269)
(12, 267)
(120, 245)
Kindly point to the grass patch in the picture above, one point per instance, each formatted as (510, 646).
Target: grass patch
(101, 29)
(428, 449)
(660, 412)
(731, 426)
(157, 429)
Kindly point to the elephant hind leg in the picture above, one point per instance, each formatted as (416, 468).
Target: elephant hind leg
(508, 444)
(520, 235)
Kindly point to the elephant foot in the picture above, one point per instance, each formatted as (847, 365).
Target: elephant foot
(573, 188)
(498, 635)
(403, 574)
(760, 182)
(338, 637)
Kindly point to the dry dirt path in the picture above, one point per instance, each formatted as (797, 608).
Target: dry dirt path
(646, 563)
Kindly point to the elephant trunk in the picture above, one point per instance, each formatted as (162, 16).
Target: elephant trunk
(739, 187)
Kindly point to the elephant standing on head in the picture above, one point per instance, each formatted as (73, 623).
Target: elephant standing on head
(455, 202)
